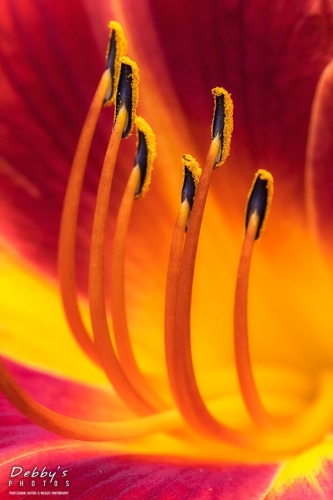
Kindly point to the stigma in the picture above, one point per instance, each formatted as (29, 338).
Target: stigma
(190, 417)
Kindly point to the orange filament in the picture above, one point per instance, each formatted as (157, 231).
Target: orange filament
(118, 309)
(241, 341)
(67, 236)
(172, 289)
(278, 442)
(103, 343)
(83, 430)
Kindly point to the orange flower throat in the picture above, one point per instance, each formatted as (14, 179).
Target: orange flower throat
(192, 417)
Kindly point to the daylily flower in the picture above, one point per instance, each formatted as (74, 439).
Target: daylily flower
(219, 432)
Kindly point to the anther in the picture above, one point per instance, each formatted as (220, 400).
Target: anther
(145, 155)
(222, 124)
(128, 92)
(117, 48)
(259, 200)
(192, 172)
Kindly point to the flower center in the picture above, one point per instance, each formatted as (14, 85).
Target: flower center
(193, 417)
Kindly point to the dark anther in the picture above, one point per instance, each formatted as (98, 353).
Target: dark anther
(125, 96)
(110, 62)
(218, 119)
(258, 202)
(141, 159)
(189, 187)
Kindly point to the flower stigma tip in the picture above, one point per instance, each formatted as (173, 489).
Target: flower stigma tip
(128, 92)
(145, 154)
(222, 124)
(117, 48)
(259, 200)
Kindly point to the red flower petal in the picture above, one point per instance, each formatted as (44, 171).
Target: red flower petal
(73, 399)
(129, 478)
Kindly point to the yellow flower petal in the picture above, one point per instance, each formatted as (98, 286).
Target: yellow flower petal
(307, 476)
(33, 327)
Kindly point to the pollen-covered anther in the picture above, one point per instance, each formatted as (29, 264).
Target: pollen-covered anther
(128, 92)
(145, 155)
(117, 48)
(222, 124)
(259, 200)
(192, 172)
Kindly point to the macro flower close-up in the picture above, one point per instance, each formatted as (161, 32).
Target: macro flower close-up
(166, 249)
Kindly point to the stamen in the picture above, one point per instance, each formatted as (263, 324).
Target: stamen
(257, 209)
(222, 124)
(192, 172)
(145, 156)
(128, 92)
(146, 153)
(117, 48)
(67, 236)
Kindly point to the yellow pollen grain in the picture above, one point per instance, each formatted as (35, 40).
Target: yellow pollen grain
(121, 49)
(228, 122)
(193, 166)
(142, 126)
(265, 176)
